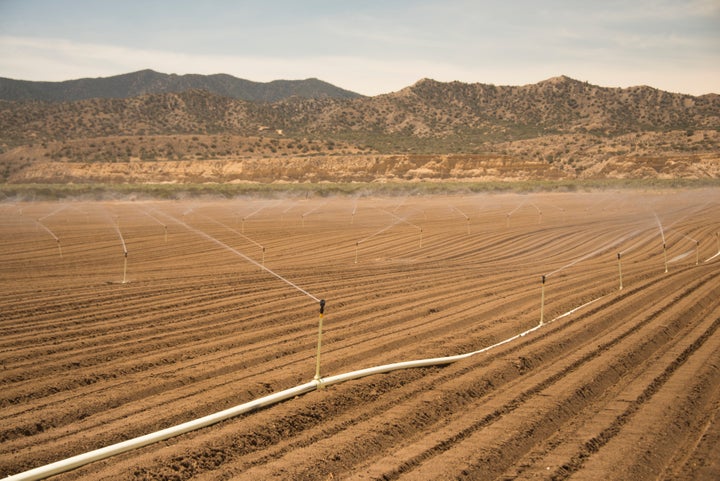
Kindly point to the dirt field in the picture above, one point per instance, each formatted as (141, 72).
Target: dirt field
(617, 384)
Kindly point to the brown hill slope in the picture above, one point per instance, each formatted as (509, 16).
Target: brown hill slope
(565, 128)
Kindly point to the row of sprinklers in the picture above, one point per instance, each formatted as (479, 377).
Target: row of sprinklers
(685, 237)
(40, 223)
(452, 208)
(395, 220)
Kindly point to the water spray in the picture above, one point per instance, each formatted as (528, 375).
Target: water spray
(662, 235)
(310, 212)
(464, 215)
(256, 211)
(125, 252)
(357, 243)
(581, 258)
(59, 209)
(697, 248)
(238, 253)
(404, 220)
(158, 221)
(282, 215)
(397, 221)
(538, 211)
(352, 215)
(262, 248)
(595, 252)
(507, 223)
(47, 229)
(400, 204)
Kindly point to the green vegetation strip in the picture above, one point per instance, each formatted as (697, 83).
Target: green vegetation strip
(45, 192)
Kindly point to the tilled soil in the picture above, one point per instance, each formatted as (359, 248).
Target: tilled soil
(216, 304)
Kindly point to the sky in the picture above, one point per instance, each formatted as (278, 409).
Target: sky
(370, 47)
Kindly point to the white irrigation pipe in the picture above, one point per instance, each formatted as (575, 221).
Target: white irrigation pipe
(680, 257)
(108, 451)
(713, 257)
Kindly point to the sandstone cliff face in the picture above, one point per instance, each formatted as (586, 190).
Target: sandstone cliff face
(365, 168)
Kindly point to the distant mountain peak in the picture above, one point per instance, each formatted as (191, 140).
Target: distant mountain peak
(149, 81)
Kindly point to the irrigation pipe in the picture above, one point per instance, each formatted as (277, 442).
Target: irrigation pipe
(68, 464)
(713, 257)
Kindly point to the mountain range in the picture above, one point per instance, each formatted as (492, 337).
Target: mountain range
(151, 82)
(173, 128)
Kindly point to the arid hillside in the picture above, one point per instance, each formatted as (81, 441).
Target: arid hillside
(556, 129)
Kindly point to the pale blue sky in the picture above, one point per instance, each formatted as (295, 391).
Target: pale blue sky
(370, 47)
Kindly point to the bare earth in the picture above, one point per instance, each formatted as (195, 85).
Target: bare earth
(617, 384)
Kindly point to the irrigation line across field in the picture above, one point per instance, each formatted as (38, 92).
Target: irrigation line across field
(713, 257)
(68, 464)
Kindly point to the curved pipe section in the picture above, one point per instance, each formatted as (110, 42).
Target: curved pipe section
(68, 464)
